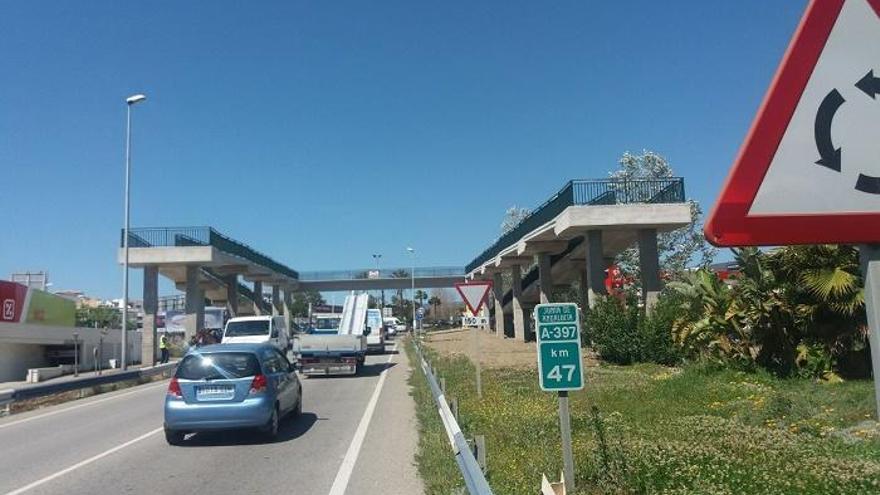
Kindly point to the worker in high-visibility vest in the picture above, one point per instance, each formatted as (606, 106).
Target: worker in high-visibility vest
(163, 348)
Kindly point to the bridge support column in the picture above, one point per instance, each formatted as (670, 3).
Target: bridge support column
(649, 264)
(277, 305)
(545, 278)
(595, 267)
(231, 282)
(258, 295)
(286, 304)
(195, 303)
(498, 297)
(519, 328)
(151, 307)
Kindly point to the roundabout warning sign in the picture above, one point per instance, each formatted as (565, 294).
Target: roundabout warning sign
(808, 171)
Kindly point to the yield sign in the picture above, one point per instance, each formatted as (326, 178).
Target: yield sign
(809, 170)
(474, 294)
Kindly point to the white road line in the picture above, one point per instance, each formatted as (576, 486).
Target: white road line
(78, 406)
(83, 463)
(345, 470)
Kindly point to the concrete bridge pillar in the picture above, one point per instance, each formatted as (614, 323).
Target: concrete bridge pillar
(151, 307)
(231, 282)
(258, 295)
(498, 296)
(195, 303)
(649, 264)
(277, 304)
(519, 328)
(545, 279)
(286, 304)
(595, 267)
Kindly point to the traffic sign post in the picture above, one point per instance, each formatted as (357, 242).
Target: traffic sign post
(806, 173)
(560, 367)
(474, 296)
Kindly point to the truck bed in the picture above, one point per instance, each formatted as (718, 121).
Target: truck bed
(329, 354)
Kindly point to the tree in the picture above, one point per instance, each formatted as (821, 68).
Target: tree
(512, 217)
(679, 248)
(399, 300)
(100, 317)
(435, 302)
(301, 300)
(420, 296)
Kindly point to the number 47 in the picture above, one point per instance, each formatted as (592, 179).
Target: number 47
(556, 372)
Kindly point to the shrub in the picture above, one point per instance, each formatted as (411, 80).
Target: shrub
(656, 331)
(614, 330)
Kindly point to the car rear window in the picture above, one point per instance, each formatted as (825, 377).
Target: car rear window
(247, 328)
(218, 365)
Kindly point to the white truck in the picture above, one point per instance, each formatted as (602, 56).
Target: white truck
(340, 353)
(257, 329)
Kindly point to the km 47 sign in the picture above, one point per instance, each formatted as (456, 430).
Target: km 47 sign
(559, 347)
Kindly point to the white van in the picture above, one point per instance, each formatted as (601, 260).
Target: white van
(257, 329)
(376, 328)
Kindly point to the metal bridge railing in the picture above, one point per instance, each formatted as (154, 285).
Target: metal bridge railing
(201, 236)
(384, 273)
(588, 192)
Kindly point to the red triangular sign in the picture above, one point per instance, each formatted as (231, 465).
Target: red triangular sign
(809, 169)
(474, 294)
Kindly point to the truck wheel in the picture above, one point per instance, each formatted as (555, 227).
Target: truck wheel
(174, 437)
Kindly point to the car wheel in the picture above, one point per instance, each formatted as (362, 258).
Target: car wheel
(271, 428)
(174, 437)
(298, 410)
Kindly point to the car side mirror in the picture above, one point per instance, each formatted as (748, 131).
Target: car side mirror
(368, 331)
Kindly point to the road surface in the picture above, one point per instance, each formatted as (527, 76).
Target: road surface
(357, 435)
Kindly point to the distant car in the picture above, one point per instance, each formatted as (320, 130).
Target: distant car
(229, 386)
(393, 326)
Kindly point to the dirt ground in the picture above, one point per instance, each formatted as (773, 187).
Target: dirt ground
(497, 352)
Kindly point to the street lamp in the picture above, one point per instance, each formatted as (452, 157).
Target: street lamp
(129, 102)
(412, 274)
(377, 257)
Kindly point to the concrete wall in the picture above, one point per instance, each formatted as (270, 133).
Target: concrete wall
(15, 359)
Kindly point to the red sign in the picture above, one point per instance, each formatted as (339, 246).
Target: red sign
(474, 294)
(794, 182)
(12, 298)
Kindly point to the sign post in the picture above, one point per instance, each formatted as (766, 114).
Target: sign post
(474, 295)
(560, 367)
(806, 172)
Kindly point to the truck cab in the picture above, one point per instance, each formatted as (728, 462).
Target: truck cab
(257, 329)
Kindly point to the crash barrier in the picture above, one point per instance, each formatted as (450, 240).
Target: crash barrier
(10, 396)
(472, 469)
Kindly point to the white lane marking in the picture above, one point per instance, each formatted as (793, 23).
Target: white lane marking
(84, 463)
(354, 449)
(78, 406)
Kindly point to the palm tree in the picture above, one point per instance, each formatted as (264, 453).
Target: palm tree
(400, 274)
(435, 302)
(420, 296)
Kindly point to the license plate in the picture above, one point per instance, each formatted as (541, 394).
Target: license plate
(214, 392)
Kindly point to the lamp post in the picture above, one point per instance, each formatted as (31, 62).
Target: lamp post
(377, 257)
(412, 274)
(75, 353)
(129, 102)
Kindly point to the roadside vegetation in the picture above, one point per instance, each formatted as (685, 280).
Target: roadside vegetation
(648, 428)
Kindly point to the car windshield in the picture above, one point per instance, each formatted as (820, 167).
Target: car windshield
(327, 323)
(218, 365)
(246, 328)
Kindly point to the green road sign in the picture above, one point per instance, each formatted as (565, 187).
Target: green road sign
(559, 347)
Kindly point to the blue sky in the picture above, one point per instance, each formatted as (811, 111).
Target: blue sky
(323, 132)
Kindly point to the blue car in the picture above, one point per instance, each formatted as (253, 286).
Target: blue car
(226, 386)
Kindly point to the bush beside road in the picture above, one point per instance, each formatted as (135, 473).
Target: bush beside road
(658, 429)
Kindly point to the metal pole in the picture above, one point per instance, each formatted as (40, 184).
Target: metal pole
(870, 260)
(565, 429)
(125, 235)
(476, 337)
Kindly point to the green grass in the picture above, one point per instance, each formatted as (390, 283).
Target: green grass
(694, 430)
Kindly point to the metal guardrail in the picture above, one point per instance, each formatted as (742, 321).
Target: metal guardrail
(588, 192)
(201, 236)
(9, 396)
(384, 273)
(474, 480)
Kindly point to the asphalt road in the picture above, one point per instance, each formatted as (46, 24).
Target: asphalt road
(357, 435)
